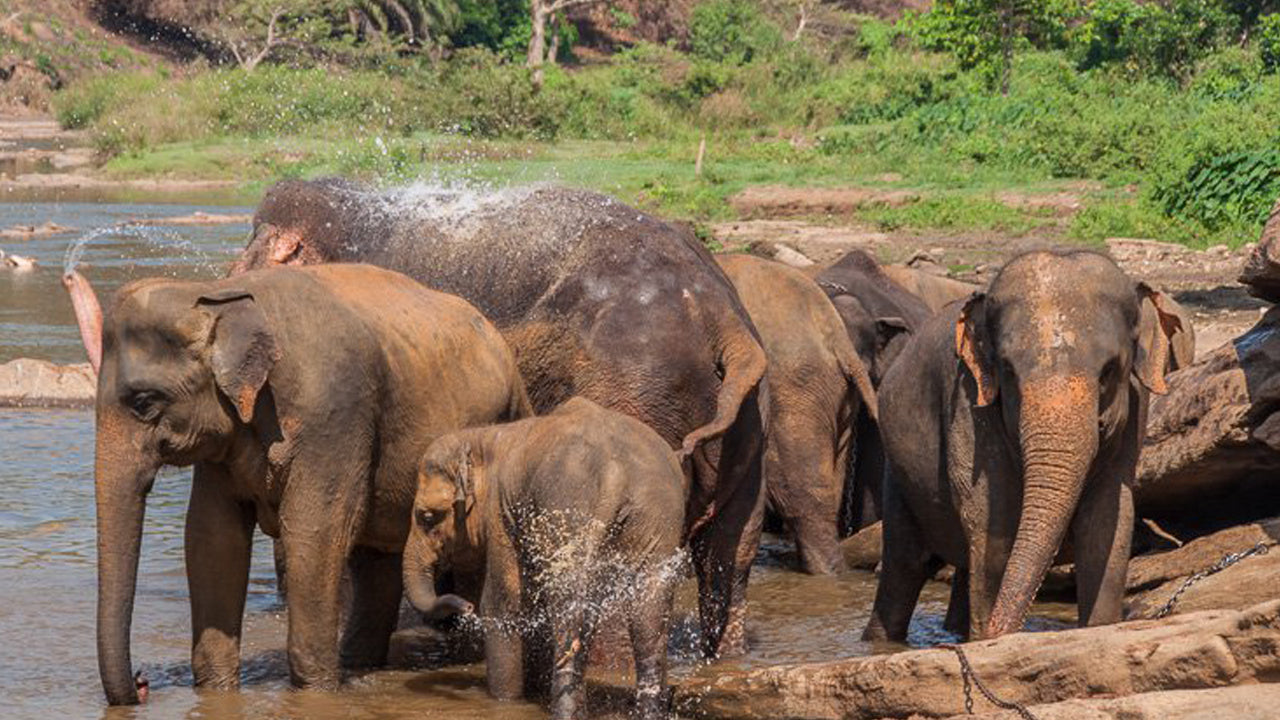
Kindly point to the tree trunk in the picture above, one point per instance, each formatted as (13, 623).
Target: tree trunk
(554, 50)
(537, 41)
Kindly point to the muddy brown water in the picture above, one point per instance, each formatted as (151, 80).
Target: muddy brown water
(48, 666)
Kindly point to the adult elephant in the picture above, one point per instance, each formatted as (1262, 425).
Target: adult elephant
(1009, 420)
(879, 315)
(597, 299)
(304, 398)
(817, 387)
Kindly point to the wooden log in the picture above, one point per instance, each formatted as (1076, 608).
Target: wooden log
(1242, 702)
(1201, 650)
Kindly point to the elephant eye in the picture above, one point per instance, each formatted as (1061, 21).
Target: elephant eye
(428, 518)
(145, 404)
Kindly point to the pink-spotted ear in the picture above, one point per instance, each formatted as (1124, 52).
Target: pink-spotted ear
(1151, 360)
(285, 246)
(970, 350)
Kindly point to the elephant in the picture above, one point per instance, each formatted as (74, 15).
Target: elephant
(879, 315)
(567, 517)
(598, 300)
(1009, 421)
(303, 397)
(936, 291)
(817, 385)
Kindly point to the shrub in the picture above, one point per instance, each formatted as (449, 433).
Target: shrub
(1149, 38)
(1268, 39)
(731, 31)
(1221, 191)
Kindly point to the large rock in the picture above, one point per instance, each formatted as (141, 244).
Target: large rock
(1243, 702)
(1212, 444)
(1261, 274)
(1202, 650)
(38, 383)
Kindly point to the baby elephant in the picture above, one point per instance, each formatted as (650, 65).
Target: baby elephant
(565, 518)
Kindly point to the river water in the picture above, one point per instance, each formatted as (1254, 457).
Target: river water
(47, 544)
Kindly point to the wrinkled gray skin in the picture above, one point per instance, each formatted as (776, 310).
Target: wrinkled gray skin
(817, 388)
(879, 316)
(566, 517)
(934, 290)
(597, 300)
(304, 398)
(1009, 421)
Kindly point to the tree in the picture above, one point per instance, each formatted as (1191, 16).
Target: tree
(541, 14)
(983, 33)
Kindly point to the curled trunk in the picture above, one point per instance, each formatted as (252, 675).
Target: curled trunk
(123, 475)
(420, 573)
(1059, 438)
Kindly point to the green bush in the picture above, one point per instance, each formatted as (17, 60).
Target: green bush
(1150, 38)
(1268, 40)
(731, 31)
(1223, 191)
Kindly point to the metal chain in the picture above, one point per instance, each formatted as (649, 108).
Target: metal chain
(1227, 561)
(971, 680)
(837, 287)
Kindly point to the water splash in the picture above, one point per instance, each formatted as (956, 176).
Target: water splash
(151, 235)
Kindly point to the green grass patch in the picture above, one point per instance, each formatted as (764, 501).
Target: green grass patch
(957, 212)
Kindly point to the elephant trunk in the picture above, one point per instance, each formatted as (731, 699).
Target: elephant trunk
(420, 572)
(1059, 436)
(123, 476)
(88, 314)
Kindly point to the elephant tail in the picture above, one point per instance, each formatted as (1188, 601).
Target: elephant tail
(855, 372)
(742, 364)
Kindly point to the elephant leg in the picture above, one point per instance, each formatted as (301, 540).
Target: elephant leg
(906, 565)
(957, 621)
(1102, 531)
(804, 470)
(219, 542)
(500, 605)
(569, 658)
(318, 535)
(724, 549)
(375, 607)
(649, 626)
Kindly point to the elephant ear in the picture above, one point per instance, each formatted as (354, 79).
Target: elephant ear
(888, 328)
(463, 488)
(243, 347)
(970, 350)
(1154, 338)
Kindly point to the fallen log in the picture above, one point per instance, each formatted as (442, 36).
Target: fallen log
(1243, 702)
(38, 383)
(1212, 441)
(1201, 650)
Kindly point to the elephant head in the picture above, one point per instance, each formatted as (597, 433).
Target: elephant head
(1056, 346)
(445, 525)
(180, 371)
(302, 223)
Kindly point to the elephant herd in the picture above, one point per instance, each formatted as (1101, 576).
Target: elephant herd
(550, 399)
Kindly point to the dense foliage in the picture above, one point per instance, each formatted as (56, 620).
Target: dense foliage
(1174, 101)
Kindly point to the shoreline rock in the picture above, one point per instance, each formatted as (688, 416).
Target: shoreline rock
(29, 383)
